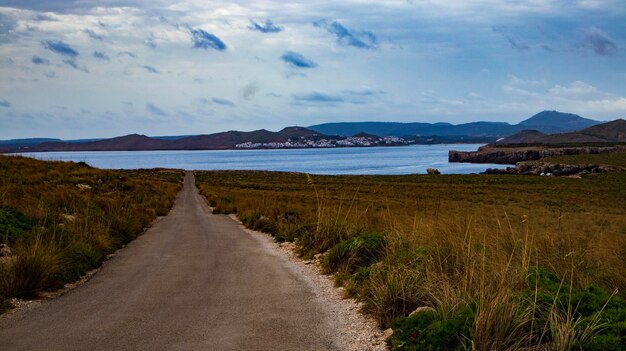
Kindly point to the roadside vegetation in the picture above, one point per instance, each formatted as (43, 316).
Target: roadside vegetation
(617, 159)
(454, 262)
(59, 220)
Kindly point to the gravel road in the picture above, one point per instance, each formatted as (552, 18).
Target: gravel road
(193, 281)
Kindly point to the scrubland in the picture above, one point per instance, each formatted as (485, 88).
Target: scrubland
(491, 262)
(61, 219)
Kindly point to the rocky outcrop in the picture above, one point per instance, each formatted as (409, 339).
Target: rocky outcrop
(552, 169)
(513, 155)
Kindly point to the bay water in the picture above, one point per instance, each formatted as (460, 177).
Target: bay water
(350, 160)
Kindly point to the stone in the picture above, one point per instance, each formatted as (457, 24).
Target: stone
(83, 187)
(387, 333)
(422, 309)
(433, 171)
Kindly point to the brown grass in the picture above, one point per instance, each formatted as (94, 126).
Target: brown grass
(62, 218)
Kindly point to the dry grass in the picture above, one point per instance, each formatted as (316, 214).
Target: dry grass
(466, 245)
(61, 219)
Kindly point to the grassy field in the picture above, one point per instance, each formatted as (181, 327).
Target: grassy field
(497, 262)
(612, 159)
(61, 219)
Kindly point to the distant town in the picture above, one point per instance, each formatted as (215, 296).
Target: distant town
(305, 142)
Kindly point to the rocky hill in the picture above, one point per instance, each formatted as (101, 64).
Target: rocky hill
(545, 122)
(532, 145)
(610, 132)
(224, 140)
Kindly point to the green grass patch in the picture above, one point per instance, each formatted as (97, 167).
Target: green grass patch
(13, 224)
(617, 159)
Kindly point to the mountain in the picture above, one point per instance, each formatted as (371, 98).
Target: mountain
(224, 140)
(545, 122)
(23, 143)
(610, 132)
(557, 122)
(123, 143)
(228, 140)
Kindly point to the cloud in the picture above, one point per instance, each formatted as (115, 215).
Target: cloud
(5, 103)
(101, 55)
(598, 41)
(348, 37)
(60, 48)
(72, 63)
(223, 102)
(514, 41)
(249, 90)
(267, 27)
(92, 34)
(297, 60)
(318, 97)
(576, 97)
(155, 110)
(151, 43)
(359, 96)
(126, 53)
(40, 61)
(204, 40)
(150, 69)
(50, 74)
(578, 89)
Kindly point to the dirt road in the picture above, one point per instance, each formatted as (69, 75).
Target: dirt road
(194, 281)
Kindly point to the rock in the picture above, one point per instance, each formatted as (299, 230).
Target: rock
(422, 309)
(317, 256)
(387, 333)
(433, 171)
(83, 187)
(67, 217)
(512, 155)
(5, 250)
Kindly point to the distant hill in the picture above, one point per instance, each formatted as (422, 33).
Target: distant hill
(556, 122)
(123, 143)
(610, 132)
(545, 122)
(23, 143)
(224, 140)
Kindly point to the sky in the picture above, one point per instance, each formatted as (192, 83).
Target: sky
(84, 68)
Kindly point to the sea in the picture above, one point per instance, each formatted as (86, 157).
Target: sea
(413, 159)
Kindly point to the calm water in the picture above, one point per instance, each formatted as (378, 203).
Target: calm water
(369, 160)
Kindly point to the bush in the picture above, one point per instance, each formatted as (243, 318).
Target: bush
(428, 331)
(34, 267)
(359, 251)
(13, 224)
(582, 306)
(392, 292)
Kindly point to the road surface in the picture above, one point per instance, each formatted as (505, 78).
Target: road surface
(193, 281)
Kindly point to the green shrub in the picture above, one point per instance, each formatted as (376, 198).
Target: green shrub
(428, 331)
(359, 251)
(13, 224)
(584, 305)
(81, 257)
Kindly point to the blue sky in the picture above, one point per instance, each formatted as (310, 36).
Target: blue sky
(86, 68)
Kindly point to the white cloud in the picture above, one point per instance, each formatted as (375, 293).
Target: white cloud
(577, 96)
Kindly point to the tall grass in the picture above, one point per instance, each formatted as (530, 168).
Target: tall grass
(61, 219)
(483, 256)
